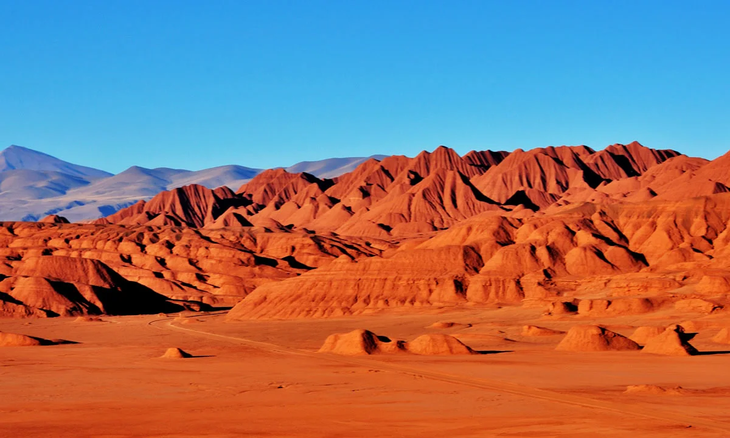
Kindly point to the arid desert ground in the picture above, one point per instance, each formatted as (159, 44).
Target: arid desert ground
(376, 219)
(267, 379)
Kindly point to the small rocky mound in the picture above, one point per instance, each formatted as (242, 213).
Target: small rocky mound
(448, 324)
(176, 353)
(533, 330)
(16, 340)
(672, 342)
(654, 390)
(722, 337)
(642, 335)
(54, 219)
(360, 342)
(595, 338)
(438, 345)
(88, 319)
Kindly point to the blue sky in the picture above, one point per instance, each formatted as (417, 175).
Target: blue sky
(194, 84)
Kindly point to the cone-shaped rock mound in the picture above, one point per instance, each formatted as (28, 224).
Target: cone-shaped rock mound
(176, 353)
(533, 330)
(360, 342)
(438, 345)
(672, 342)
(16, 340)
(642, 335)
(594, 338)
(722, 337)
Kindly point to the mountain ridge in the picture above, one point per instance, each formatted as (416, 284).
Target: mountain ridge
(17, 157)
(627, 230)
(400, 196)
(34, 184)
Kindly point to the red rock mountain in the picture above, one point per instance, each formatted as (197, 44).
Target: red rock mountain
(572, 229)
(402, 196)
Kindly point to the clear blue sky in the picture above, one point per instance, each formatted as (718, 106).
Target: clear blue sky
(193, 84)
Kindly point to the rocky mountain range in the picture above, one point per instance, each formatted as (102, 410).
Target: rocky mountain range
(626, 229)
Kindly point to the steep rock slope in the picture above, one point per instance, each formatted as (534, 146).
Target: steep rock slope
(193, 206)
(543, 175)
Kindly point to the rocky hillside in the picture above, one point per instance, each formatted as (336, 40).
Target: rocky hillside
(621, 230)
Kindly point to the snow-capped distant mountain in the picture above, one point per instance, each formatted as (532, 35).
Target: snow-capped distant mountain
(34, 185)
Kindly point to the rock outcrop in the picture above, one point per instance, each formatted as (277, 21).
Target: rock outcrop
(17, 340)
(672, 342)
(595, 338)
(361, 342)
(176, 353)
(643, 334)
(365, 342)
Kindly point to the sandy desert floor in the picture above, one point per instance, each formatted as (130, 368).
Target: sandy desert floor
(265, 378)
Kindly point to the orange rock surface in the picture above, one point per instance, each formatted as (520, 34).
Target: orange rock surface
(360, 342)
(176, 353)
(80, 269)
(17, 340)
(594, 338)
(672, 342)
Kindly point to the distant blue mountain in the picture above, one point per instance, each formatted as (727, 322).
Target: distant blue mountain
(20, 158)
(34, 185)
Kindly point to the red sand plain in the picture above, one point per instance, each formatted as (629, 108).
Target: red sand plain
(265, 378)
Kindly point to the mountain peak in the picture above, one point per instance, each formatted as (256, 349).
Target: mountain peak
(15, 154)
(17, 157)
